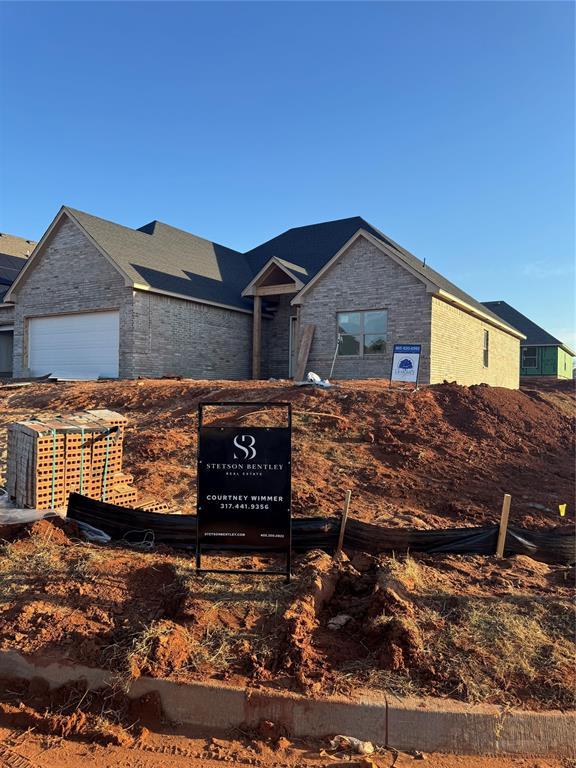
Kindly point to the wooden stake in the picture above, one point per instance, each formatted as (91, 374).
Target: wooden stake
(338, 551)
(503, 525)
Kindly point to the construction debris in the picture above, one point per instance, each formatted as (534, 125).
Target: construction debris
(314, 380)
(355, 745)
(337, 622)
(154, 505)
(50, 458)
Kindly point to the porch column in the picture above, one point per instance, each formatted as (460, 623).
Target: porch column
(257, 337)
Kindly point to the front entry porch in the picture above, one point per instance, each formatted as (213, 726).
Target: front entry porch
(275, 326)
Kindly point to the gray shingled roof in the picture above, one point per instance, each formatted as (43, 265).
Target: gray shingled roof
(12, 245)
(313, 246)
(10, 266)
(164, 258)
(168, 259)
(14, 252)
(535, 335)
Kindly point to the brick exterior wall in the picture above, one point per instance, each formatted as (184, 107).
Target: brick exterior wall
(276, 339)
(71, 276)
(163, 335)
(172, 336)
(6, 356)
(6, 315)
(158, 334)
(457, 349)
(365, 278)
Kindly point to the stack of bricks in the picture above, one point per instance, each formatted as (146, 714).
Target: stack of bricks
(153, 505)
(82, 452)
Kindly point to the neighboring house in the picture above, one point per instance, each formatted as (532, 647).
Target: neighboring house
(97, 299)
(13, 254)
(541, 354)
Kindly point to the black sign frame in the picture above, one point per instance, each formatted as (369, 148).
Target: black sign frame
(210, 434)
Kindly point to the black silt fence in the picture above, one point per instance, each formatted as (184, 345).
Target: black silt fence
(133, 525)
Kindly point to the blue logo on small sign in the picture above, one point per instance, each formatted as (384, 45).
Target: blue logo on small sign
(405, 362)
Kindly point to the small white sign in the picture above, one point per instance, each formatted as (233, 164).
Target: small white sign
(405, 362)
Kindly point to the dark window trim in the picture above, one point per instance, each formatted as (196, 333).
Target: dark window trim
(536, 357)
(486, 349)
(375, 356)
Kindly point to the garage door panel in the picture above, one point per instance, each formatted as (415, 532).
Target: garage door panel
(80, 346)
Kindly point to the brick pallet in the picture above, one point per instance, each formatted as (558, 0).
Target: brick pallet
(81, 452)
(153, 505)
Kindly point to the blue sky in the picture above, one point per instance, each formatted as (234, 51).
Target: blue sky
(450, 126)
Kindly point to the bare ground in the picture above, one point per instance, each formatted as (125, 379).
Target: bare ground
(438, 457)
(472, 628)
(197, 750)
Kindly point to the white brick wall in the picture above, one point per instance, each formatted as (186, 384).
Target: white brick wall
(457, 349)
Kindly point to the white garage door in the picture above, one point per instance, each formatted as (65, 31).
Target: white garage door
(81, 346)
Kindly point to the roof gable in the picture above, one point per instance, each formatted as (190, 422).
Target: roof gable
(313, 246)
(276, 272)
(63, 214)
(162, 258)
(308, 248)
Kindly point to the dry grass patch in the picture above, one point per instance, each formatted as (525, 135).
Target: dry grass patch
(500, 648)
(406, 570)
(22, 566)
(512, 649)
(217, 626)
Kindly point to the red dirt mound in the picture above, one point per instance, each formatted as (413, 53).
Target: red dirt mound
(52, 529)
(442, 455)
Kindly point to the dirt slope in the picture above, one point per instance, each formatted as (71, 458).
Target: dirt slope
(472, 628)
(437, 457)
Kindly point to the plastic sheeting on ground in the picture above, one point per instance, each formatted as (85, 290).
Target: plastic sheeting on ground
(549, 546)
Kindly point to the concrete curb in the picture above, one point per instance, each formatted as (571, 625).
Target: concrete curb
(429, 725)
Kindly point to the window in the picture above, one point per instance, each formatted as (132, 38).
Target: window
(361, 334)
(529, 357)
(486, 350)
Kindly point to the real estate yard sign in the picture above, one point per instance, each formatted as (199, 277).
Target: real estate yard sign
(244, 485)
(405, 362)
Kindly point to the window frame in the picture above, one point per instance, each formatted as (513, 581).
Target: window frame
(362, 334)
(536, 357)
(486, 349)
